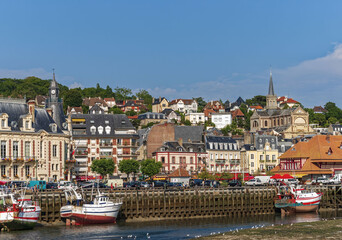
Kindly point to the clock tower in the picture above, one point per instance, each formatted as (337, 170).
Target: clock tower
(56, 104)
(53, 90)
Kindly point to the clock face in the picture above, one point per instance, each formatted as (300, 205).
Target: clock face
(53, 91)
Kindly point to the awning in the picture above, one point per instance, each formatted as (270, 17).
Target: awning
(78, 120)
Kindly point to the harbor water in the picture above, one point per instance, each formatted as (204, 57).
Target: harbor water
(166, 229)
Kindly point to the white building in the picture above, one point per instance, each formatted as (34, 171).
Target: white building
(195, 118)
(184, 105)
(221, 119)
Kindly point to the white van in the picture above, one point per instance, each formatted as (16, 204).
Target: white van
(63, 184)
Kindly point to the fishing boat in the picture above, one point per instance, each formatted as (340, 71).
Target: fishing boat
(100, 210)
(297, 199)
(17, 213)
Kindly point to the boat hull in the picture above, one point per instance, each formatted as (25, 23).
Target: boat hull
(301, 205)
(89, 214)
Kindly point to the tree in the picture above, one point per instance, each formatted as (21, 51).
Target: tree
(116, 110)
(73, 98)
(143, 94)
(150, 167)
(129, 166)
(200, 103)
(204, 175)
(122, 93)
(257, 100)
(103, 166)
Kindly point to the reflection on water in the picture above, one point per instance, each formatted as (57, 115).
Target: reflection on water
(167, 229)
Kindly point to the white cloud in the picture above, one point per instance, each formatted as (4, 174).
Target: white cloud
(75, 85)
(311, 82)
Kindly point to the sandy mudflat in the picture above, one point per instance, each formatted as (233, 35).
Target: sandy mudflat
(328, 229)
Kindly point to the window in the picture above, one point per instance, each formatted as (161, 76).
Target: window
(54, 150)
(27, 124)
(173, 160)
(267, 157)
(56, 166)
(252, 164)
(15, 149)
(265, 123)
(52, 166)
(3, 123)
(27, 149)
(273, 157)
(93, 130)
(191, 160)
(163, 159)
(252, 156)
(108, 130)
(261, 157)
(15, 170)
(3, 149)
(3, 170)
(27, 170)
(100, 129)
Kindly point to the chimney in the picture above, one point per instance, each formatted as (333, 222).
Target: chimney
(152, 100)
(180, 141)
(49, 110)
(31, 104)
(159, 99)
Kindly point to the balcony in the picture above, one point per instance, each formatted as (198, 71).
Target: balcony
(19, 159)
(106, 144)
(81, 153)
(236, 162)
(126, 154)
(220, 161)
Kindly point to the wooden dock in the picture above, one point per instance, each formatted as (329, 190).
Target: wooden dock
(149, 204)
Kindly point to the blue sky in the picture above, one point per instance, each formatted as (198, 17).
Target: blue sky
(179, 49)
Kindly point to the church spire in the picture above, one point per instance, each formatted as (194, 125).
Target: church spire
(270, 87)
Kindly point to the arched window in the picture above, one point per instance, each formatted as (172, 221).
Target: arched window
(108, 130)
(92, 129)
(100, 129)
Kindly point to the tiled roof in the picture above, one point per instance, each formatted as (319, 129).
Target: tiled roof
(180, 172)
(319, 109)
(109, 99)
(237, 113)
(93, 101)
(256, 107)
(185, 101)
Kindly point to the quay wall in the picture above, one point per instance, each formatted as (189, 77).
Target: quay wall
(150, 204)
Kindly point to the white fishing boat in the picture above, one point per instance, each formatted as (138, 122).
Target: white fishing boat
(100, 210)
(298, 199)
(18, 213)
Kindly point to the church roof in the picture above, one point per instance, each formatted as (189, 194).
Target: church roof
(270, 87)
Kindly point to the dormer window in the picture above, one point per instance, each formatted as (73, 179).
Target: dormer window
(53, 127)
(100, 129)
(180, 149)
(191, 149)
(27, 124)
(92, 129)
(329, 151)
(162, 149)
(3, 123)
(108, 129)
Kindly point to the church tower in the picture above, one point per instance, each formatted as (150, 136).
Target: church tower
(53, 90)
(271, 98)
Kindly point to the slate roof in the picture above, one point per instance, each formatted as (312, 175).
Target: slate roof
(194, 133)
(173, 146)
(16, 112)
(167, 112)
(115, 121)
(220, 139)
(158, 100)
(238, 102)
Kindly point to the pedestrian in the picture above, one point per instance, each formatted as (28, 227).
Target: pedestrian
(111, 186)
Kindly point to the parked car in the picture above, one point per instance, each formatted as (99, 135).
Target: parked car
(174, 184)
(235, 183)
(211, 183)
(254, 182)
(320, 180)
(159, 183)
(292, 181)
(196, 182)
(144, 184)
(336, 179)
(52, 185)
